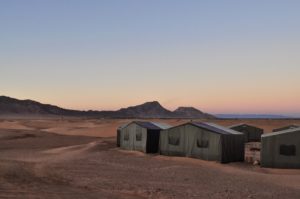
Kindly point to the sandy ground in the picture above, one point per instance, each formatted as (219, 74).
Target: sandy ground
(107, 127)
(77, 158)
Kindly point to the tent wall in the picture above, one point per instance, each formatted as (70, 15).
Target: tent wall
(202, 143)
(133, 137)
(191, 141)
(252, 134)
(281, 151)
(172, 141)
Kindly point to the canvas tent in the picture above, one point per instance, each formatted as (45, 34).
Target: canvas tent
(119, 133)
(281, 149)
(292, 126)
(141, 136)
(204, 141)
(252, 133)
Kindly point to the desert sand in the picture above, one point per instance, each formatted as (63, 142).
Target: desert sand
(78, 158)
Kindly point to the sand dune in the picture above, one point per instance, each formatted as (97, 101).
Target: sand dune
(43, 160)
(10, 124)
(107, 128)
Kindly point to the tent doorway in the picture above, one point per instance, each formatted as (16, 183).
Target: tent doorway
(152, 141)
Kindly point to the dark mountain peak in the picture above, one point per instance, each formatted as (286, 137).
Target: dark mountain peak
(153, 104)
(146, 110)
(190, 109)
(4, 98)
(146, 105)
(191, 112)
(12, 106)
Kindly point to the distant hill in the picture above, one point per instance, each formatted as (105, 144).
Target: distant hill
(251, 116)
(191, 112)
(146, 110)
(14, 107)
(155, 110)
(11, 106)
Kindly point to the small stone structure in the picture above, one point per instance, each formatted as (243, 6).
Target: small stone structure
(252, 152)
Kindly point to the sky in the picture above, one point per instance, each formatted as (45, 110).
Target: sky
(218, 56)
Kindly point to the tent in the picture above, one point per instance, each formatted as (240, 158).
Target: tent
(252, 133)
(292, 126)
(281, 149)
(204, 141)
(140, 136)
(119, 133)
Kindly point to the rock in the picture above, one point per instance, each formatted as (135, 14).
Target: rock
(256, 162)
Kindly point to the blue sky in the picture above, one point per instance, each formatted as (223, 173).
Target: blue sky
(219, 56)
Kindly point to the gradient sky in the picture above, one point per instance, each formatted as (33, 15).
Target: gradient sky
(218, 56)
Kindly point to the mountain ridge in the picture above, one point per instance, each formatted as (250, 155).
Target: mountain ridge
(12, 106)
(191, 112)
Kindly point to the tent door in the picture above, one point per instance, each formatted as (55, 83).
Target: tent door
(118, 138)
(152, 141)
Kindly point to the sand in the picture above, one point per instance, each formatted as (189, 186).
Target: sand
(77, 158)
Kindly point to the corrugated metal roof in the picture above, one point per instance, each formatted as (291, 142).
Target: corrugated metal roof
(147, 125)
(236, 125)
(242, 124)
(292, 126)
(281, 132)
(215, 128)
(123, 125)
(161, 125)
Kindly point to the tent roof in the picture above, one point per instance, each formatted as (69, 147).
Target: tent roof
(213, 127)
(123, 125)
(161, 125)
(242, 124)
(291, 126)
(281, 132)
(147, 125)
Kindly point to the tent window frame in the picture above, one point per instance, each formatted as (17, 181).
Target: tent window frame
(126, 136)
(138, 136)
(287, 150)
(174, 140)
(202, 143)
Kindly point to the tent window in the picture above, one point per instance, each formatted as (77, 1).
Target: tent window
(202, 143)
(174, 140)
(287, 150)
(126, 136)
(138, 136)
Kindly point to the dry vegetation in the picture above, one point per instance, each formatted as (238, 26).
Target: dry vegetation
(77, 158)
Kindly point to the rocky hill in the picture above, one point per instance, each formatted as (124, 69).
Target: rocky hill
(14, 107)
(146, 110)
(191, 112)
(11, 106)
